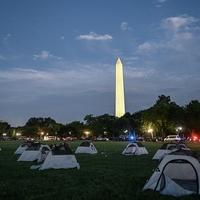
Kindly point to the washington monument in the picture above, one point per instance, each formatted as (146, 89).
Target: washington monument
(119, 89)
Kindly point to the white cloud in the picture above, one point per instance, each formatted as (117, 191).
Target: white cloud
(134, 72)
(23, 74)
(8, 35)
(178, 23)
(180, 34)
(124, 26)
(94, 36)
(58, 78)
(146, 47)
(55, 81)
(44, 55)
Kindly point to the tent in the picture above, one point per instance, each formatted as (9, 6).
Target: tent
(167, 148)
(34, 152)
(86, 147)
(135, 148)
(23, 147)
(60, 157)
(176, 175)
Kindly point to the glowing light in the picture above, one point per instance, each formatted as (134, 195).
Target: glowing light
(42, 133)
(4, 134)
(87, 133)
(179, 128)
(18, 134)
(119, 90)
(132, 137)
(150, 130)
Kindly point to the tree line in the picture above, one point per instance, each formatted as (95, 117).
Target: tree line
(163, 118)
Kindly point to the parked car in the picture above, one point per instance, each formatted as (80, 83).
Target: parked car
(171, 138)
(99, 138)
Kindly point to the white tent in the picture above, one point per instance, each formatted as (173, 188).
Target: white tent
(23, 147)
(86, 147)
(60, 158)
(176, 175)
(35, 152)
(167, 148)
(135, 148)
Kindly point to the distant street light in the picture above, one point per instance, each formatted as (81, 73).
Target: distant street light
(18, 134)
(41, 134)
(179, 129)
(87, 133)
(150, 130)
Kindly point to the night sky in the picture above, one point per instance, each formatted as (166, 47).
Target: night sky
(57, 58)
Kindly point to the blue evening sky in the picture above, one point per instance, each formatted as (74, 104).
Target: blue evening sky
(57, 58)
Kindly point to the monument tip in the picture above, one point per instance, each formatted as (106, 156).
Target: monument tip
(118, 60)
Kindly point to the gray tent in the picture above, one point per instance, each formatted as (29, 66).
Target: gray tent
(167, 148)
(23, 147)
(36, 151)
(135, 148)
(86, 147)
(176, 175)
(61, 157)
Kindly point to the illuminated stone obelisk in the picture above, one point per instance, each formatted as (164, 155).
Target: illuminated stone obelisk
(119, 89)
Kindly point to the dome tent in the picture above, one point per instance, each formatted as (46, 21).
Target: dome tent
(60, 157)
(135, 148)
(36, 151)
(167, 148)
(23, 147)
(86, 147)
(176, 175)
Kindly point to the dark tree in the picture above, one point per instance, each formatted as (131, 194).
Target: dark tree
(192, 116)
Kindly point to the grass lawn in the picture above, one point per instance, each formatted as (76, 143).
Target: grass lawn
(105, 176)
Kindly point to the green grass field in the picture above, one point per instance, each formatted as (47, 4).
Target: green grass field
(105, 176)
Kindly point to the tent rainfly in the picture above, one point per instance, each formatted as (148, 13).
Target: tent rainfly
(135, 148)
(60, 157)
(167, 148)
(86, 147)
(176, 175)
